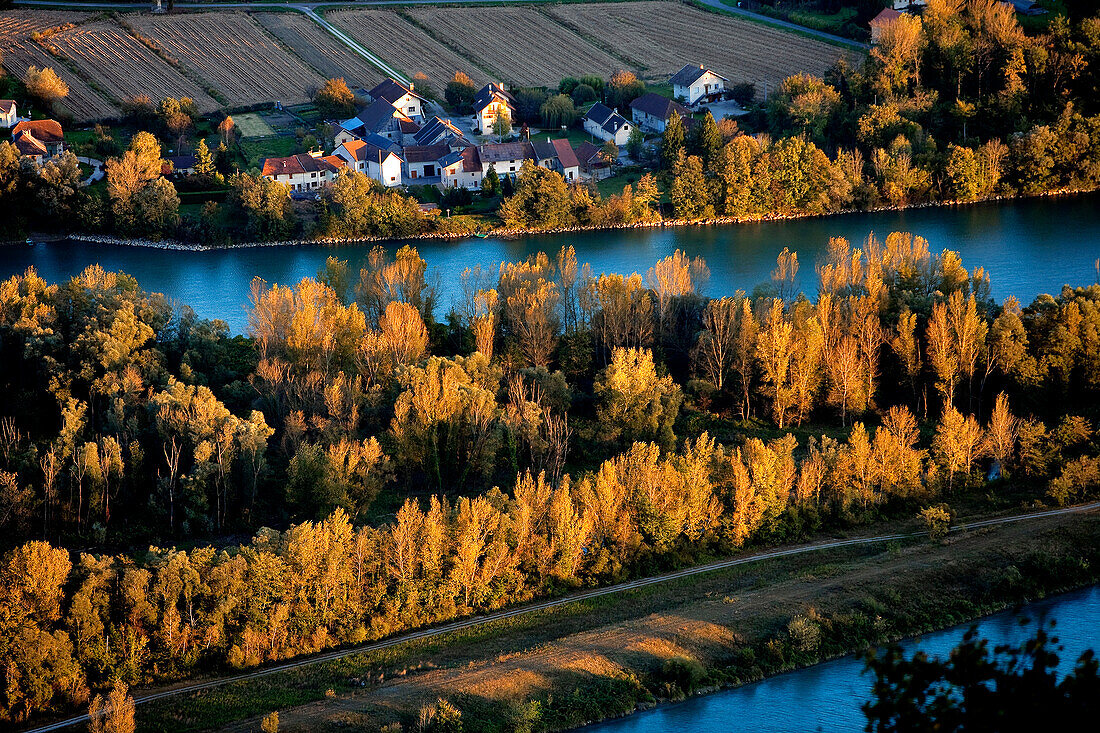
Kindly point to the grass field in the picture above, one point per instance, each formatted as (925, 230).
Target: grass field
(252, 124)
(860, 594)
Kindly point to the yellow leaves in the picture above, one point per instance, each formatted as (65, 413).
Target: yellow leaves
(306, 324)
(34, 579)
(404, 332)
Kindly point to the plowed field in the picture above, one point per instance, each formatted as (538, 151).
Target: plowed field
(661, 37)
(405, 46)
(123, 66)
(233, 54)
(319, 49)
(521, 45)
(83, 102)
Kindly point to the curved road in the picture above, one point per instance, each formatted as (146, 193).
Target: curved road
(553, 603)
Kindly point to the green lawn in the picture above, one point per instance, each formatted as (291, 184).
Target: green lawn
(271, 147)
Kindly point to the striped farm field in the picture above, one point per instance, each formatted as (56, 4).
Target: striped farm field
(521, 45)
(319, 49)
(232, 53)
(83, 102)
(123, 67)
(16, 25)
(405, 46)
(661, 37)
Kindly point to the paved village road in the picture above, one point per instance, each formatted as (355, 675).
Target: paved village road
(141, 699)
(307, 8)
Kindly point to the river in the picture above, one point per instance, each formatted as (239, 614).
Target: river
(828, 696)
(1028, 246)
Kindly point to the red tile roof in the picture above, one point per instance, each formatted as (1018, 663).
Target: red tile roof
(48, 131)
(296, 165)
(28, 144)
(566, 156)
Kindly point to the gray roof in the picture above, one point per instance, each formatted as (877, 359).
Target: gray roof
(496, 152)
(605, 117)
(391, 91)
(657, 106)
(690, 74)
(438, 130)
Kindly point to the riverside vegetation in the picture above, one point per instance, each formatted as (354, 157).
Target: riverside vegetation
(959, 106)
(634, 423)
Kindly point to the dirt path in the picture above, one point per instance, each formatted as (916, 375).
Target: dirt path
(708, 620)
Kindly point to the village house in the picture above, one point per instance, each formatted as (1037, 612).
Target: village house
(305, 172)
(8, 114)
(461, 168)
(590, 158)
(438, 131)
(379, 163)
(506, 158)
(422, 161)
(466, 168)
(491, 102)
(378, 118)
(400, 97)
(880, 21)
(557, 155)
(606, 124)
(179, 165)
(652, 111)
(697, 83)
(38, 140)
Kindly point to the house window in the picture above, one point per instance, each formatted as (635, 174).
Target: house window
(511, 169)
(412, 110)
(392, 178)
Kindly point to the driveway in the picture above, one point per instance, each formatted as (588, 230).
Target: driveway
(97, 169)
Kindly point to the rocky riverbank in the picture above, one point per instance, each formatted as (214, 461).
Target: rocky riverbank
(506, 233)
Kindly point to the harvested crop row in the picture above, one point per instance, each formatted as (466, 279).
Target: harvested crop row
(123, 66)
(16, 25)
(83, 102)
(519, 44)
(233, 54)
(664, 36)
(319, 49)
(404, 45)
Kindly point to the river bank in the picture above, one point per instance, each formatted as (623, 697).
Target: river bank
(608, 657)
(506, 233)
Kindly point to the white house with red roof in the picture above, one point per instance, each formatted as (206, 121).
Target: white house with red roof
(383, 164)
(305, 172)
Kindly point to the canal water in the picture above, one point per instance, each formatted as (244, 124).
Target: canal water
(1029, 247)
(828, 696)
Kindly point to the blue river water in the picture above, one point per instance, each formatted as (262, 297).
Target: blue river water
(828, 696)
(1029, 247)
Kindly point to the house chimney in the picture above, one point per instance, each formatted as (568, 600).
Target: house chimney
(700, 67)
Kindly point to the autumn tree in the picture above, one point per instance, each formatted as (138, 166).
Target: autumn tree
(46, 86)
(113, 714)
(334, 99)
(634, 403)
